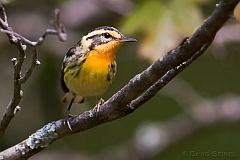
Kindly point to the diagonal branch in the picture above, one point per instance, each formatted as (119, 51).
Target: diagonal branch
(152, 91)
(224, 109)
(21, 43)
(119, 105)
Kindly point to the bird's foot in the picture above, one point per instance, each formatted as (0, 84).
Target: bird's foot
(67, 124)
(66, 121)
(98, 105)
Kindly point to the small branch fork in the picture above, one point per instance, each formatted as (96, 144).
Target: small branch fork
(21, 43)
(139, 89)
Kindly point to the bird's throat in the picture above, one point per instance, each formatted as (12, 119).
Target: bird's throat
(106, 52)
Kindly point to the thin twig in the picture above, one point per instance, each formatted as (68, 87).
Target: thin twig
(35, 62)
(17, 93)
(117, 106)
(3, 13)
(21, 43)
(61, 36)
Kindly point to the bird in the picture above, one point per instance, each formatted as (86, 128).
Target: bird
(89, 67)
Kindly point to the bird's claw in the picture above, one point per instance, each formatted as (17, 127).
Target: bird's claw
(66, 121)
(67, 124)
(98, 105)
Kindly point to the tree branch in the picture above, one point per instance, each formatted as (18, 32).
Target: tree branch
(152, 91)
(119, 105)
(21, 43)
(154, 138)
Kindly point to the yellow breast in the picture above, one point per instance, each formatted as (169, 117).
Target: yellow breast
(93, 76)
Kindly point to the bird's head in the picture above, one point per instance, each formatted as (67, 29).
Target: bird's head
(104, 39)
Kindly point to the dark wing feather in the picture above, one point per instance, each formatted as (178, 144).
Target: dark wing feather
(73, 59)
(63, 84)
(64, 87)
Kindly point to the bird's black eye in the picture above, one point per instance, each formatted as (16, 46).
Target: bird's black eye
(106, 35)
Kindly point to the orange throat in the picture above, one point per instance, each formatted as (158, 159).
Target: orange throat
(106, 52)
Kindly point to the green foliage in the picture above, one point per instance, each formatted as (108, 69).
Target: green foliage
(185, 15)
(144, 18)
(163, 23)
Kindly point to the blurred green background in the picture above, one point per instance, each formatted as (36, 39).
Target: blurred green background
(159, 25)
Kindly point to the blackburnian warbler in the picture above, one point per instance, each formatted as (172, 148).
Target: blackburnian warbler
(89, 67)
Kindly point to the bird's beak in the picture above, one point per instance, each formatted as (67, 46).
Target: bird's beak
(127, 39)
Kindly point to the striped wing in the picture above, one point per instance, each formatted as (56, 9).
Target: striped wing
(72, 60)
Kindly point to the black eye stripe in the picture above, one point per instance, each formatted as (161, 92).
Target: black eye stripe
(93, 36)
(99, 39)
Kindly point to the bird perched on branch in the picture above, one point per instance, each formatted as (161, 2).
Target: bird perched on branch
(89, 67)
